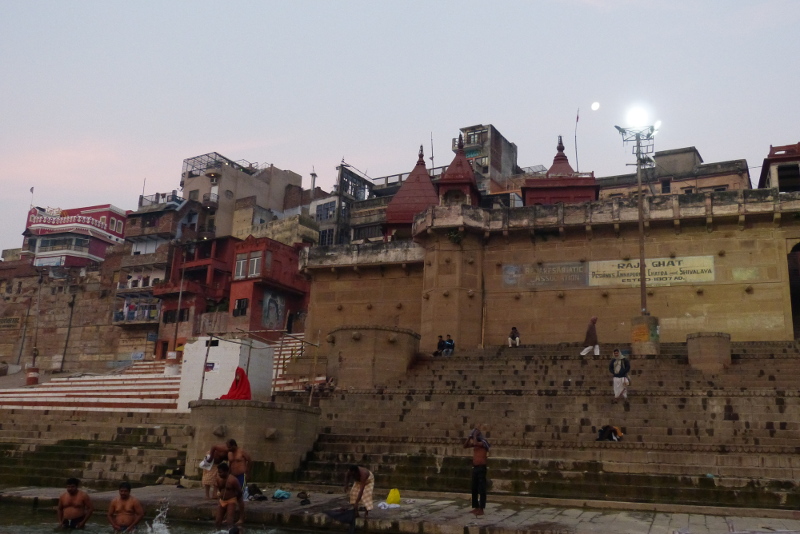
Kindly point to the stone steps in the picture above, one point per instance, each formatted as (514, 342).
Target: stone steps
(729, 437)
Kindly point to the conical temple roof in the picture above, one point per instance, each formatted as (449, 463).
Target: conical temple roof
(561, 164)
(460, 170)
(415, 195)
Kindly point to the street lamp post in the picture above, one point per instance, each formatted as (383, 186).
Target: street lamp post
(643, 145)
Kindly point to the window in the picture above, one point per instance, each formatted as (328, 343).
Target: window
(102, 220)
(788, 178)
(184, 315)
(240, 307)
(665, 186)
(194, 194)
(326, 237)
(687, 190)
(241, 265)
(169, 316)
(255, 263)
(326, 211)
(721, 188)
(367, 232)
(475, 138)
(268, 260)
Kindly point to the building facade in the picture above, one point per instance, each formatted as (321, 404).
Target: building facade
(74, 237)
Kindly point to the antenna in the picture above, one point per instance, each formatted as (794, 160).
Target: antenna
(577, 164)
(143, 184)
(433, 165)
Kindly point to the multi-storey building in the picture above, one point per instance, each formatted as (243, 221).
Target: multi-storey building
(161, 221)
(218, 182)
(781, 169)
(679, 171)
(493, 157)
(73, 237)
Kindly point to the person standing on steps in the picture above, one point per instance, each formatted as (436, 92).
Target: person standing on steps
(480, 452)
(513, 337)
(216, 455)
(74, 506)
(239, 462)
(620, 367)
(591, 338)
(449, 346)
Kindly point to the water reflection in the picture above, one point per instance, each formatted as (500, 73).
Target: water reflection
(15, 519)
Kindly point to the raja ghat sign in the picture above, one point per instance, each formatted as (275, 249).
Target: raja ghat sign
(660, 272)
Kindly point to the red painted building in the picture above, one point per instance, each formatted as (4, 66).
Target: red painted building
(73, 237)
(561, 184)
(199, 283)
(267, 291)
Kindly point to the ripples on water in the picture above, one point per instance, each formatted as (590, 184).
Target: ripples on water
(24, 520)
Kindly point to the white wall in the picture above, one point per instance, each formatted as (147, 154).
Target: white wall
(226, 356)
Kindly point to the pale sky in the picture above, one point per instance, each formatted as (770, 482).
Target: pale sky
(97, 96)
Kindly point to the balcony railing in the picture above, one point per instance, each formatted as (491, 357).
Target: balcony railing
(75, 248)
(159, 198)
(137, 316)
(210, 200)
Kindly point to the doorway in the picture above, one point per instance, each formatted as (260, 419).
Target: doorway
(793, 262)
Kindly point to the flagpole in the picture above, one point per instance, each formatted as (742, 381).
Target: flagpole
(577, 164)
(31, 197)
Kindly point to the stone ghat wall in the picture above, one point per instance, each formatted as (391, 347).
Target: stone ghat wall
(715, 263)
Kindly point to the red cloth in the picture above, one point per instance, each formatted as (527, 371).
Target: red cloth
(240, 389)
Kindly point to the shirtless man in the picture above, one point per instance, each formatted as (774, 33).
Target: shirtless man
(216, 455)
(480, 450)
(74, 507)
(230, 495)
(239, 461)
(125, 512)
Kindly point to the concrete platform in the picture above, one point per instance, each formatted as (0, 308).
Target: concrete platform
(437, 513)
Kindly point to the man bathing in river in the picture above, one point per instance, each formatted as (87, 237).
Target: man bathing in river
(230, 495)
(74, 506)
(125, 512)
(216, 455)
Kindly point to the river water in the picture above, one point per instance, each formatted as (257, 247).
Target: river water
(19, 519)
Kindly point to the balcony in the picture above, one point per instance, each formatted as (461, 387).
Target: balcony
(206, 232)
(174, 287)
(133, 287)
(472, 140)
(211, 201)
(159, 257)
(137, 317)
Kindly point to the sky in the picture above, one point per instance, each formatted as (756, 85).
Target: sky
(100, 100)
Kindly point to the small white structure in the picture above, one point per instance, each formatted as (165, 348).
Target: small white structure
(215, 367)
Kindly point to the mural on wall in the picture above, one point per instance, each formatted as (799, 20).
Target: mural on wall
(273, 312)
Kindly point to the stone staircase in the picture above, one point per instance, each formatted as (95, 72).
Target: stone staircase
(728, 438)
(102, 448)
(140, 387)
(289, 349)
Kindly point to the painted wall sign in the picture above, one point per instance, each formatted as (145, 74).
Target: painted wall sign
(548, 275)
(660, 272)
(9, 323)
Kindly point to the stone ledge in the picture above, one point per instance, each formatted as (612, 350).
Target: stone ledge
(377, 327)
(294, 407)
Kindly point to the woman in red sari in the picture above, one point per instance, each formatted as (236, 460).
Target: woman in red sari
(240, 389)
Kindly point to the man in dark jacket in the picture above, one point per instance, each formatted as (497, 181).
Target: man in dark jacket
(440, 346)
(449, 346)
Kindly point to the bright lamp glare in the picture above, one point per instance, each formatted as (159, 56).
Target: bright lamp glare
(657, 125)
(595, 106)
(637, 117)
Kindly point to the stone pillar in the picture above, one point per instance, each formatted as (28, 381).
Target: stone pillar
(452, 294)
(709, 351)
(276, 435)
(645, 335)
(369, 356)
